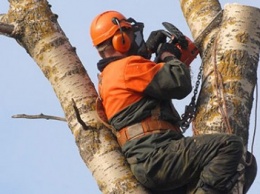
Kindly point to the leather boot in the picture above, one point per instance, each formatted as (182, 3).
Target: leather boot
(250, 171)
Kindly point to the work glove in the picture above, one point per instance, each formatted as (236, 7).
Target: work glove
(154, 40)
(168, 47)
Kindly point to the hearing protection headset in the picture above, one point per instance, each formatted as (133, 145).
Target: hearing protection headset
(120, 41)
(111, 24)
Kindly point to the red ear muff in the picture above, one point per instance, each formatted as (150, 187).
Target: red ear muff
(121, 42)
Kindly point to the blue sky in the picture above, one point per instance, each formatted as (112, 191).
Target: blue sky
(40, 156)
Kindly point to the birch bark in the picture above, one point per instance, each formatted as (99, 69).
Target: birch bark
(230, 55)
(37, 30)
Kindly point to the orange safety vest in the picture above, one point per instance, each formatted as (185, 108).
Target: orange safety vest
(123, 81)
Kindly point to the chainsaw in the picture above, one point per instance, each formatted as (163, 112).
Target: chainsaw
(189, 49)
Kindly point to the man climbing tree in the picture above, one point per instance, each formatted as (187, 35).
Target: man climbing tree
(136, 94)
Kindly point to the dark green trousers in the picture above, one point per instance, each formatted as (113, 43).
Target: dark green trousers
(168, 164)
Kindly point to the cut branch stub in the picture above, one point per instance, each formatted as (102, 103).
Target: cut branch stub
(6, 29)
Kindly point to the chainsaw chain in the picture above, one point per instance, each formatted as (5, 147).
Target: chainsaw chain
(190, 110)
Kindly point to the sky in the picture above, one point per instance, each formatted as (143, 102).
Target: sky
(40, 156)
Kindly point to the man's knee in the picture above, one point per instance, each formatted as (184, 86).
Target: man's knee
(234, 143)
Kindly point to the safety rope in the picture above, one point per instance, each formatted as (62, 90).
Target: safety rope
(254, 131)
(223, 108)
(255, 123)
(220, 91)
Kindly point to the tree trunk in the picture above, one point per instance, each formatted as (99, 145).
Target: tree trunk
(230, 55)
(37, 30)
(230, 72)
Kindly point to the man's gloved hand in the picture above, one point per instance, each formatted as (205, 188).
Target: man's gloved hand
(169, 48)
(154, 40)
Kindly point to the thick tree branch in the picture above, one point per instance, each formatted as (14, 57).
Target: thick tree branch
(40, 116)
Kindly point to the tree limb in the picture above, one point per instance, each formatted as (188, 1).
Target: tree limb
(40, 116)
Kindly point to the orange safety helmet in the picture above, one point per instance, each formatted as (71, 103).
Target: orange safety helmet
(103, 27)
